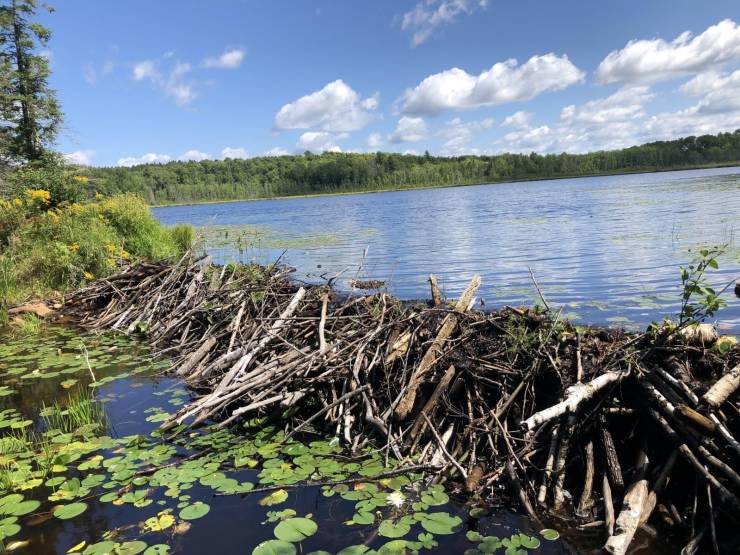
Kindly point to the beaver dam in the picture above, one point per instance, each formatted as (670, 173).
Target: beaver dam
(589, 430)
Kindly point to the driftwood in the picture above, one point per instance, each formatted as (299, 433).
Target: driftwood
(478, 398)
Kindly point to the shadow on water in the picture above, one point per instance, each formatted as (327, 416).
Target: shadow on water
(192, 504)
(606, 249)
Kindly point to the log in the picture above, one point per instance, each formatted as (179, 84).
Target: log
(586, 501)
(406, 402)
(633, 505)
(436, 295)
(575, 395)
(608, 505)
(723, 388)
(431, 403)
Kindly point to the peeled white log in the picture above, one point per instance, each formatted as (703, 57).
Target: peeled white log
(723, 388)
(574, 396)
(629, 516)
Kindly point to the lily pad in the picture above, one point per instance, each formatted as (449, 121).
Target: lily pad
(65, 512)
(295, 529)
(195, 511)
(275, 498)
(274, 547)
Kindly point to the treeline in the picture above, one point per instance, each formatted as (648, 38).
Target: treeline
(339, 172)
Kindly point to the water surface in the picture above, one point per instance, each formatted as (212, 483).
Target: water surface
(606, 249)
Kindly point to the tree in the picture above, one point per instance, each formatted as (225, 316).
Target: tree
(30, 115)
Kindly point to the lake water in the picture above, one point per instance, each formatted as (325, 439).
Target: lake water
(605, 249)
(113, 485)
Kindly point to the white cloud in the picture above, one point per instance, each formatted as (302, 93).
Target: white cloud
(318, 141)
(505, 82)
(459, 134)
(80, 157)
(173, 83)
(646, 61)
(428, 15)
(148, 158)
(230, 59)
(374, 141)
(276, 151)
(409, 130)
(518, 119)
(625, 104)
(145, 70)
(234, 152)
(336, 108)
(194, 156)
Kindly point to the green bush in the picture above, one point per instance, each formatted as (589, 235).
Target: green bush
(59, 248)
(51, 174)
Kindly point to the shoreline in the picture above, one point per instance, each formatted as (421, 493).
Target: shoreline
(467, 184)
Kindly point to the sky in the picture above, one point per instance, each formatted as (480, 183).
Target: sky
(143, 81)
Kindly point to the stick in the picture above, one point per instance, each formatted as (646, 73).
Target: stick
(406, 402)
(723, 388)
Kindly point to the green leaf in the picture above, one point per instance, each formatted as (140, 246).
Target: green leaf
(356, 550)
(72, 510)
(438, 523)
(195, 511)
(274, 547)
(390, 529)
(131, 548)
(549, 534)
(158, 549)
(275, 498)
(295, 529)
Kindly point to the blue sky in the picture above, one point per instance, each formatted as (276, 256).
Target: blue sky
(157, 81)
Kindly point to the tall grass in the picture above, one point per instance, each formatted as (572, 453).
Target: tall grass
(45, 250)
(81, 413)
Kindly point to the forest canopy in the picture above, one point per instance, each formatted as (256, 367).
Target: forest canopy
(266, 177)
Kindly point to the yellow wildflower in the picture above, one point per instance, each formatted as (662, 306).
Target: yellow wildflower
(88, 275)
(111, 248)
(74, 246)
(53, 215)
(98, 196)
(17, 202)
(124, 254)
(39, 195)
(81, 178)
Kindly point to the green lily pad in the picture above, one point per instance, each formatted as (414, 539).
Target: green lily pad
(549, 534)
(131, 548)
(274, 547)
(438, 523)
(72, 510)
(195, 511)
(295, 529)
(275, 498)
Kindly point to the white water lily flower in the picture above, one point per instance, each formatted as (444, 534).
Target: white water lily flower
(396, 499)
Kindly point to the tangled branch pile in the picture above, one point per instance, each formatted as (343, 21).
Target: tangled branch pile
(614, 432)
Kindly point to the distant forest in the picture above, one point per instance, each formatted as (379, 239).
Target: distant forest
(307, 174)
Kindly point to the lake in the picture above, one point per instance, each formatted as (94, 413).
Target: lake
(606, 250)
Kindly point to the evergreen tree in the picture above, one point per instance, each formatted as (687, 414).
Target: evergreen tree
(30, 115)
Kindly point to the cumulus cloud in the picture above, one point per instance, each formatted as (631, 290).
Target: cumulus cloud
(646, 61)
(276, 151)
(148, 158)
(518, 119)
(458, 135)
(336, 108)
(234, 152)
(410, 130)
(173, 83)
(428, 15)
(505, 82)
(625, 104)
(194, 156)
(374, 141)
(318, 141)
(80, 157)
(230, 59)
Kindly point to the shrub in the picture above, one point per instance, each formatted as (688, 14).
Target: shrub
(42, 250)
(51, 174)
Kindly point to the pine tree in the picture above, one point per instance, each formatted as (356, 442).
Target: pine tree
(30, 115)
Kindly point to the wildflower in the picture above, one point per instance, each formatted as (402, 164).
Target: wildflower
(81, 178)
(111, 248)
(124, 255)
(98, 196)
(74, 246)
(88, 275)
(396, 499)
(38, 195)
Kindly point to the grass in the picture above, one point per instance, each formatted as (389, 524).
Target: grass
(47, 249)
(82, 413)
